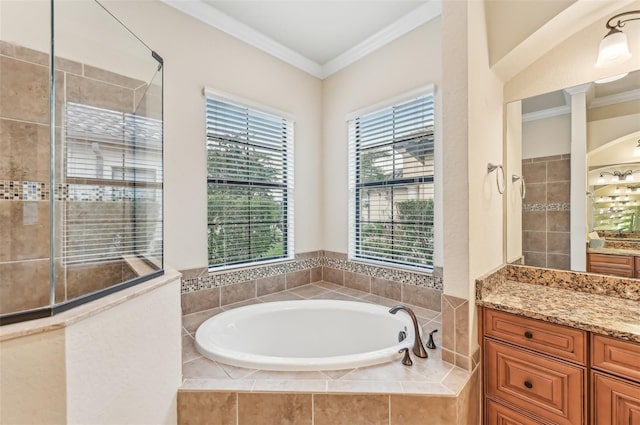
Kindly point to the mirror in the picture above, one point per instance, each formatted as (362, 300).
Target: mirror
(577, 151)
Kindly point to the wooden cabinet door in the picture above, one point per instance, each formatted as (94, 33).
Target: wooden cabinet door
(615, 402)
(546, 388)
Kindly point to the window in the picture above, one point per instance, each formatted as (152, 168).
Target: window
(249, 184)
(391, 167)
(113, 184)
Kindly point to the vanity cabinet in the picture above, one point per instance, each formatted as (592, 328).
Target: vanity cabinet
(616, 265)
(539, 373)
(615, 381)
(535, 369)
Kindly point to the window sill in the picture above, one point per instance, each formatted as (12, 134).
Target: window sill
(248, 266)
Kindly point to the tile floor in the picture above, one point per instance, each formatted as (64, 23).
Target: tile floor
(430, 376)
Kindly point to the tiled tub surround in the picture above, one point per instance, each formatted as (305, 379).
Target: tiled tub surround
(202, 290)
(546, 212)
(596, 303)
(25, 169)
(431, 391)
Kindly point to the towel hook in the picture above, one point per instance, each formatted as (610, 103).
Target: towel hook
(493, 167)
(523, 185)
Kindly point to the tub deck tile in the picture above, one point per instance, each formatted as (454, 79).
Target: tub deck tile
(430, 376)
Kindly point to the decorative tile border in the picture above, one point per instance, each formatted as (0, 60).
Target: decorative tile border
(547, 207)
(308, 261)
(425, 280)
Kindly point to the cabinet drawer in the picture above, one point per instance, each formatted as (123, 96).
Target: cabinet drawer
(558, 341)
(547, 388)
(619, 265)
(616, 356)
(615, 402)
(498, 414)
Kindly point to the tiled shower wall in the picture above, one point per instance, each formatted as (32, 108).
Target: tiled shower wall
(25, 169)
(546, 212)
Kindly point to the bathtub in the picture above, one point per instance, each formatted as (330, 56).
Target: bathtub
(305, 335)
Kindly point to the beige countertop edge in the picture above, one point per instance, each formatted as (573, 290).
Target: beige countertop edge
(84, 311)
(563, 320)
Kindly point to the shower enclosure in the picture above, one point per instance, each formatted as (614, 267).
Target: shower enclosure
(80, 157)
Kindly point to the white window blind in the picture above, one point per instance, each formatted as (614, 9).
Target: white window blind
(249, 184)
(391, 167)
(113, 182)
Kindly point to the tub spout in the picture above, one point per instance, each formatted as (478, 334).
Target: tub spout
(418, 348)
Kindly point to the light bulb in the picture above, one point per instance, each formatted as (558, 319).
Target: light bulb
(601, 179)
(614, 49)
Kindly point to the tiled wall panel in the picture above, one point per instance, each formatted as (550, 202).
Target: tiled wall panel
(546, 212)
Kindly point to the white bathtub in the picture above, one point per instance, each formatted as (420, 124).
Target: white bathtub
(305, 335)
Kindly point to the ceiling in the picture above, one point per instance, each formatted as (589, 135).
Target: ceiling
(558, 102)
(319, 37)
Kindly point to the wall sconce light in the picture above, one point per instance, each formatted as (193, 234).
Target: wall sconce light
(619, 176)
(614, 48)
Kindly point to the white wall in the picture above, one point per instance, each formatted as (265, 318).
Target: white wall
(513, 155)
(485, 140)
(196, 56)
(124, 365)
(119, 364)
(32, 379)
(571, 62)
(403, 65)
(546, 137)
(603, 131)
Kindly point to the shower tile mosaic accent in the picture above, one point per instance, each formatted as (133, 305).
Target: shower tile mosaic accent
(555, 206)
(12, 190)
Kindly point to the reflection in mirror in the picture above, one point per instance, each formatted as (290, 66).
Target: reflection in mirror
(568, 144)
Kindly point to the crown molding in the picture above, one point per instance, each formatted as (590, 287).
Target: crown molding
(217, 19)
(627, 96)
(546, 113)
(402, 26)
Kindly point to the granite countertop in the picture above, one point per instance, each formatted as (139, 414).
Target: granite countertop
(614, 251)
(600, 314)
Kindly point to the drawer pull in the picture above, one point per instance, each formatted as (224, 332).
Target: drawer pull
(528, 334)
(528, 384)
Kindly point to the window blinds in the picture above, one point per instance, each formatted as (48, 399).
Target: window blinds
(249, 184)
(391, 168)
(113, 184)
